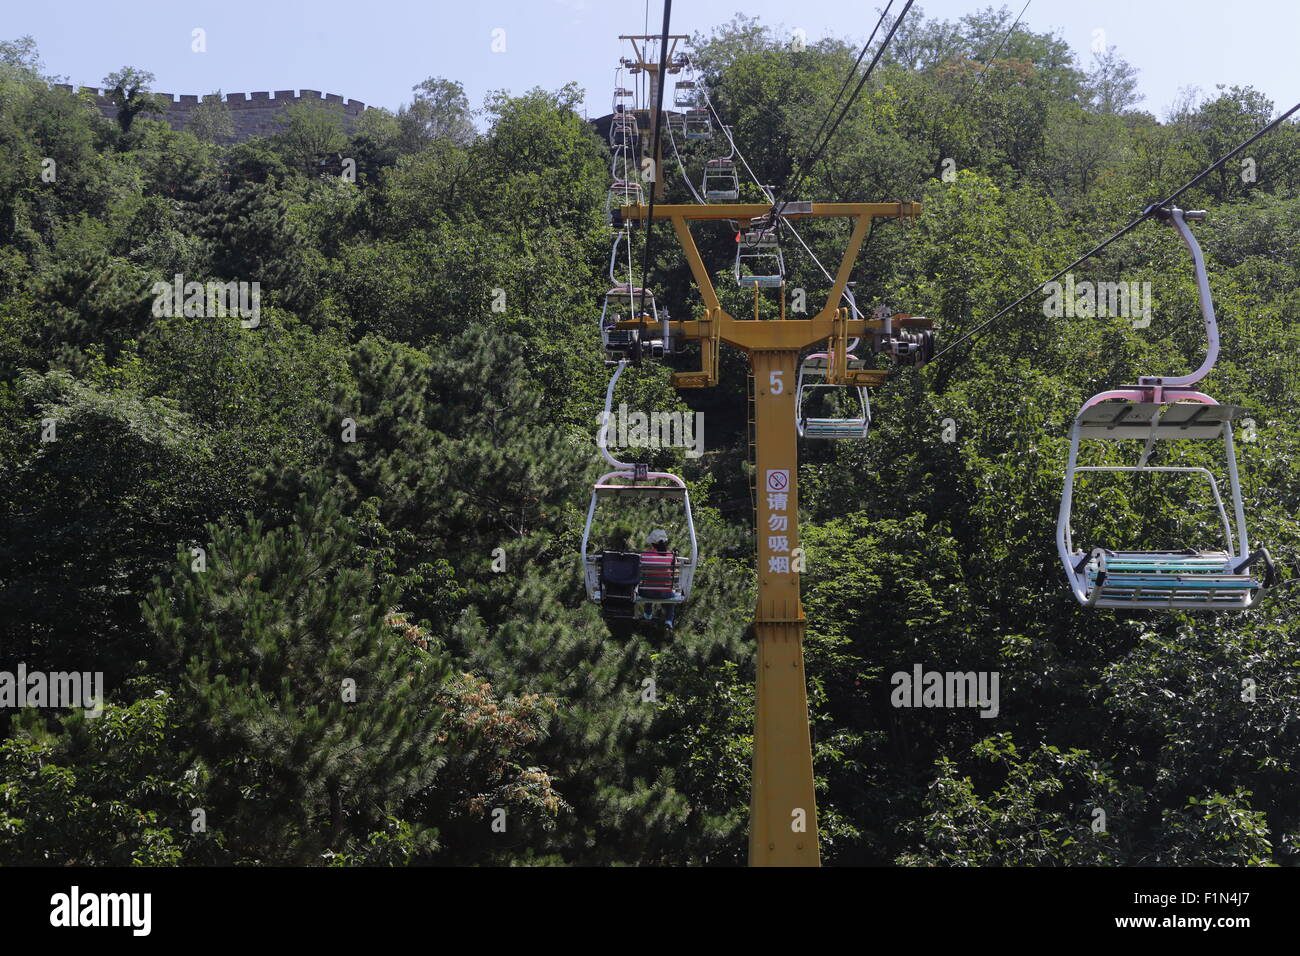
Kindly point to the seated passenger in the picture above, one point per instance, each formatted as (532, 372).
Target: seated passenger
(658, 574)
(658, 567)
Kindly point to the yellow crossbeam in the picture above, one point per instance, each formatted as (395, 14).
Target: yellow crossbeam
(779, 333)
(771, 333)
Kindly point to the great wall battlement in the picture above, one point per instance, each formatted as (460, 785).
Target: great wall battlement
(253, 114)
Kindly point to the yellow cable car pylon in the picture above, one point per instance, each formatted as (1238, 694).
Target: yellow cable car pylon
(783, 811)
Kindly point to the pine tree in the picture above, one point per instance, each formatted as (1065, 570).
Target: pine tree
(457, 455)
(315, 717)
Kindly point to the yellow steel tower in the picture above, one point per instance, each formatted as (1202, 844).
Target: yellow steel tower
(783, 813)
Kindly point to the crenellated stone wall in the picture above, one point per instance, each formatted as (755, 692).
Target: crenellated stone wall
(253, 114)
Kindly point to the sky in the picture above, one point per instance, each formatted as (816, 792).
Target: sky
(375, 51)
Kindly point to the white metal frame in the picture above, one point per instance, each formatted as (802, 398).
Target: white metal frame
(759, 246)
(721, 179)
(1159, 579)
(696, 124)
(815, 367)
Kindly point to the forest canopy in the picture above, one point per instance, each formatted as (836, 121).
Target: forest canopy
(375, 486)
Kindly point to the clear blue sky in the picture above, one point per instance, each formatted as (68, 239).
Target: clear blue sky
(375, 51)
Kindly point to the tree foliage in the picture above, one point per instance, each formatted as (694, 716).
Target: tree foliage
(326, 560)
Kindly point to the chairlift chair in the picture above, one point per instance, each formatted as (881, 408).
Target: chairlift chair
(1161, 408)
(623, 193)
(627, 302)
(812, 378)
(616, 580)
(685, 94)
(623, 131)
(759, 262)
(721, 180)
(697, 124)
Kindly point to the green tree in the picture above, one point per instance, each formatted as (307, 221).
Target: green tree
(311, 131)
(318, 720)
(110, 790)
(1112, 84)
(128, 88)
(440, 110)
(107, 499)
(210, 119)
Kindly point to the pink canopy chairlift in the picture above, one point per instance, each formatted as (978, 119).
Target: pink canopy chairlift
(1161, 408)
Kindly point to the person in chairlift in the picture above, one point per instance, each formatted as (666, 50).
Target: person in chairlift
(658, 572)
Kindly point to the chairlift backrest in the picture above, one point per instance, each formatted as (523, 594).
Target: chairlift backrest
(618, 567)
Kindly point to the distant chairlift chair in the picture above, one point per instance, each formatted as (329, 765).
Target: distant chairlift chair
(622, 193)
(721, 181)
(697, 124)
(812, 378)
(759, 263)
(1155, 409)
(627, 302)
(623, 131)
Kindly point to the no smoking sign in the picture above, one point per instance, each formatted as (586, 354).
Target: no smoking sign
(778, 479)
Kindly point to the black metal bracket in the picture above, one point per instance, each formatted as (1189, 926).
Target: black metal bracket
(1270, 570)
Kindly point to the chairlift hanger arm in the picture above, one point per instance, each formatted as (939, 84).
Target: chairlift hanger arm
(777, 333)
(1177, 218)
